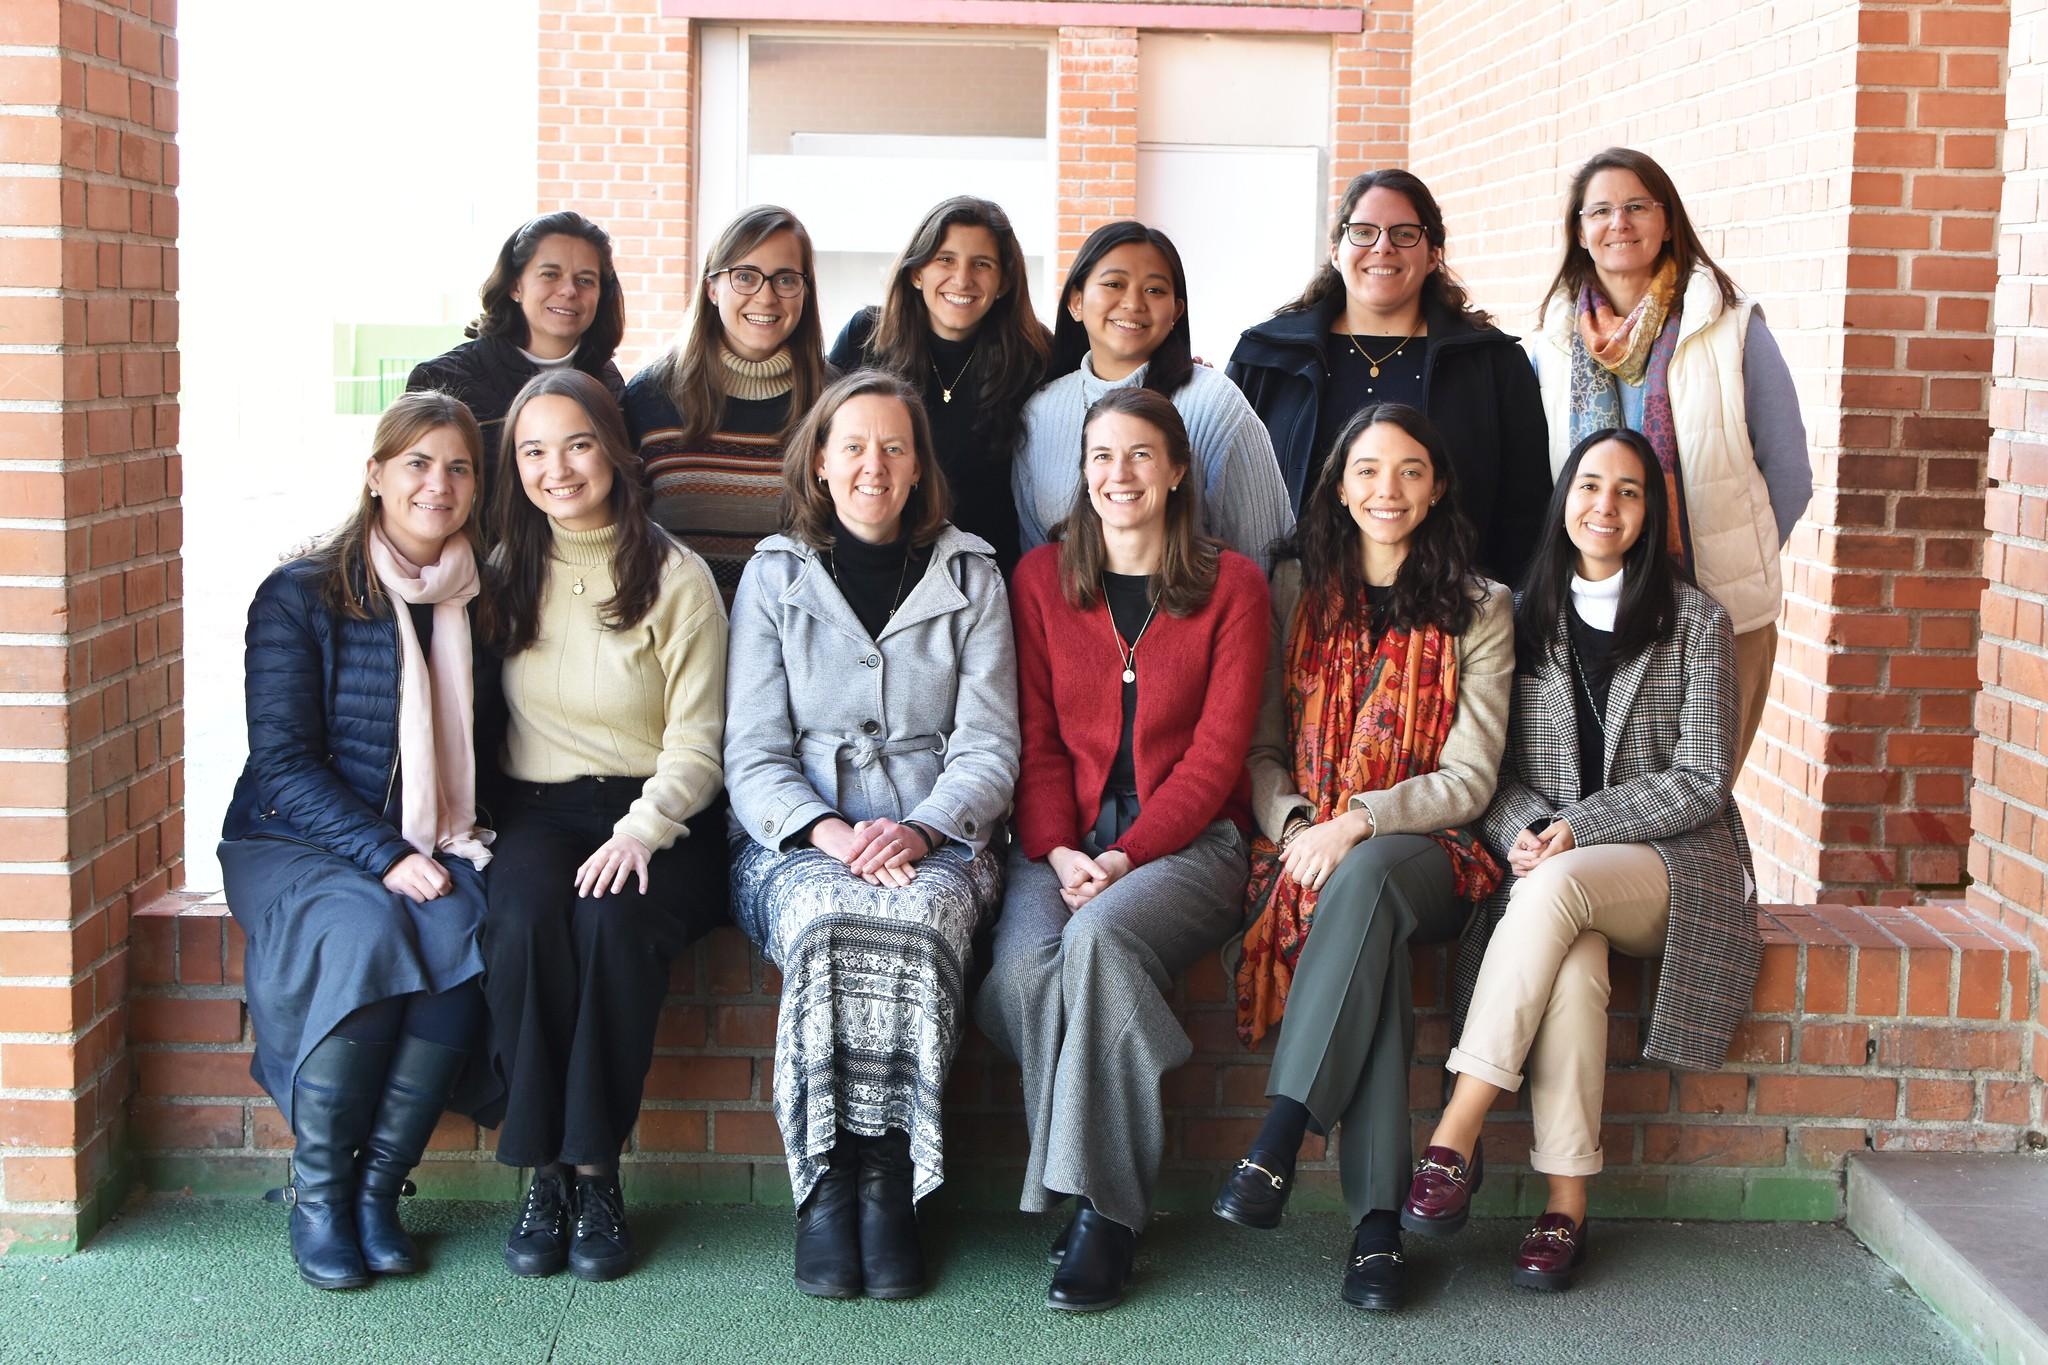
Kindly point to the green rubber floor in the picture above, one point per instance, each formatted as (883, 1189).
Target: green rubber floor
(179, 1279)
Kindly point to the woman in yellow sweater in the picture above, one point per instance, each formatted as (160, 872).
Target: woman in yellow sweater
(614, 645)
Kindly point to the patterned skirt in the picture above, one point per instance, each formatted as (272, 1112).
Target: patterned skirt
(873, 994)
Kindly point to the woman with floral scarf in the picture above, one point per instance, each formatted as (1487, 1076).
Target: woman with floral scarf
(1384, 714)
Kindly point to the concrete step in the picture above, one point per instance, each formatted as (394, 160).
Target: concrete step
(1964, 1230)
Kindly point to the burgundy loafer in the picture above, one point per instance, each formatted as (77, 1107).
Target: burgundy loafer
(1551, 1254)
(1440, 1196)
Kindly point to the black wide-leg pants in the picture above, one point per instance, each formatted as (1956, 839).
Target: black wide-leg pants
(575, 984)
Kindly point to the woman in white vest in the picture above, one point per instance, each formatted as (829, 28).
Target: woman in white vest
(1641, 329)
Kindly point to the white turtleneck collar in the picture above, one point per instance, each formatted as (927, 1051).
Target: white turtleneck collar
(558, 363)
(1596, 603)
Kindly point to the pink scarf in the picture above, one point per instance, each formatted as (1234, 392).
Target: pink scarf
(436, 730)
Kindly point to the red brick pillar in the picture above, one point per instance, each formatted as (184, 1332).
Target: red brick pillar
(1369, 114)
(2009, 807)
(1098, 141)
(91, 727)
(1863, 763)
(617, 103)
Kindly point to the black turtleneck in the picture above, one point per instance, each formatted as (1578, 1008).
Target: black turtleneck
(875, 579)
(1592, 664)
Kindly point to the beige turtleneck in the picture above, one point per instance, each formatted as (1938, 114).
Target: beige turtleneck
(647, 701)
(755, 380)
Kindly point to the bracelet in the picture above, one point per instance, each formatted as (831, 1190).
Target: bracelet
(930, 844)
(1292, 830)
(1372, 826)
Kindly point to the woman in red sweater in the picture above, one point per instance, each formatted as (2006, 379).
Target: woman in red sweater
(1141, 645)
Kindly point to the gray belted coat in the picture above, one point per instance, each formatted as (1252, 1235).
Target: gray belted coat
(918, 725)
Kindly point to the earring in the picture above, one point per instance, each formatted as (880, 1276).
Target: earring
(375, 493)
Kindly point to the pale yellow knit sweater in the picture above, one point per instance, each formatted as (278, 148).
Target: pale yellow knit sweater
(647, 701)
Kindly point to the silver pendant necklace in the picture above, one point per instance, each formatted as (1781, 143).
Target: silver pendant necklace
(1128, 653)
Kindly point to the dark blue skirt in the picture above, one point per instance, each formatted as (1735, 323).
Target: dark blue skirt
(325, 939)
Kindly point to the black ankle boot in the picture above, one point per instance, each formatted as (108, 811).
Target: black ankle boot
(416, 1090)
(828, 1228)
(602, 1248)
(1097, 1266)
(539, 1244)
(334, 1099)
(891, 1257)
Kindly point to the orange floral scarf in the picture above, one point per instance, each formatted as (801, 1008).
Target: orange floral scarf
(1364, 715)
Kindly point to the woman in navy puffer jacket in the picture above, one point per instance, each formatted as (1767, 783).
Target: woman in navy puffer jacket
(352, 849)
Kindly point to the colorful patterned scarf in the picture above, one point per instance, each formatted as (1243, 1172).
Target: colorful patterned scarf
(1609, 351)
(1363, 715)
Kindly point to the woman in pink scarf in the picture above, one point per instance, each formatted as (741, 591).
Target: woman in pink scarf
(352, 849)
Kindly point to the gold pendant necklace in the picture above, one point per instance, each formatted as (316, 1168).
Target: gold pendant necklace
(1128, 653)
(1372, 365)
(945, 389)
(577, 586)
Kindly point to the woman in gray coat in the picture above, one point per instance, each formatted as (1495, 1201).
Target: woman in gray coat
(870, 754)
(1615, 819)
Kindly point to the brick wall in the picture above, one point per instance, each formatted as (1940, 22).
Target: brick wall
(1885, 1028)
(617, 107)
(1839, 159)
(91, 728)
(1369, 114)
(1098, 132)
(2009, 807)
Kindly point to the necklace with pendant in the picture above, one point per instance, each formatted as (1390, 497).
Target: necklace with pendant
(1373, 365)
(577, 586)
(901, 576)
(1128, 653)
(945, 389)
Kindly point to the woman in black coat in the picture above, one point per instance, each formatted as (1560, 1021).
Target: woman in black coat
(351, 849)
(1385, 321)
(552, 300)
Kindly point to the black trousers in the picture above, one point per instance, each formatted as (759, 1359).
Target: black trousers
(575, 984)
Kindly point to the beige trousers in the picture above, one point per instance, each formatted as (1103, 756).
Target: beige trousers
(1756, 654)
(1542, 992)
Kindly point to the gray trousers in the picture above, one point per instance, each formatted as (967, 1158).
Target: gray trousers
(1349, 1032)
(1078, 1000)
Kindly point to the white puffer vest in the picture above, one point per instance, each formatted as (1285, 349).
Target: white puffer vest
(1734, 532)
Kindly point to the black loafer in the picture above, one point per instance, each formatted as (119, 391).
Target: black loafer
(1097, 1267)
(602, 1247)
(1254, 1195)
(539, 1244)
(1375, 1280)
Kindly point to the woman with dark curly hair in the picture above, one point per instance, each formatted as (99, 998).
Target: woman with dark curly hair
(1384, 714)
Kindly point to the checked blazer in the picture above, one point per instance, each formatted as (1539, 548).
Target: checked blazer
(1670, 727)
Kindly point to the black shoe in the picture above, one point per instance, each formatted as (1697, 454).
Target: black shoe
(891, 1257)
(539, 1244)
(334, 1099)
(1057, 1252)
(602, 1246)
(1097, 1267)
(1255, 1194)
(416, 1090)
(1375, 1277)
(828, 1260)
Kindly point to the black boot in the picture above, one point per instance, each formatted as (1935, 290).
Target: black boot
(828, 1256)
(539, 1244)
(603, 1245)
(891, 1257)
(416, 1090)
(1097, 1267)
(334, 1099)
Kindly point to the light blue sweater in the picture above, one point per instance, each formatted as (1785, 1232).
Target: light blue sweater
(1244, 500)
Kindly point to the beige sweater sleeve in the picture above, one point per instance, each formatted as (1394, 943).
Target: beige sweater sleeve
(1457, 792)
(688, 627)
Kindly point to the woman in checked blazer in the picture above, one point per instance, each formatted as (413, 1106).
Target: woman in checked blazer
(1615, 818)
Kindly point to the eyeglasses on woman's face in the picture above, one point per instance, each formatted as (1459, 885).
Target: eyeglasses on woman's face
(1599, 215)
(1400, 234)
(746, 281)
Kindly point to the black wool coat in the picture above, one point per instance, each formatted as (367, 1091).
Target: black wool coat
(1481, 394)
(487, 374)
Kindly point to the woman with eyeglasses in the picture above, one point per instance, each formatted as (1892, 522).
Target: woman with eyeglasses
(552, 302)
(710, 417)
(1385, 321)
(1640, 329)
(1615, 817)
(957, 323)
(1123, 323)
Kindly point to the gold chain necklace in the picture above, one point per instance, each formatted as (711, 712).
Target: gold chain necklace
(901, 575)
(1373, 366)
(945, 389)
(1129, 653)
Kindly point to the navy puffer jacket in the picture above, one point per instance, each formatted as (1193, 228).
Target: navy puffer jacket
(322, 698)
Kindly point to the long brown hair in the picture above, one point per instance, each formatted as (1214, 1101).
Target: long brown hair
(501, 317)
(1576, 271)
(1188, 562)
(806, 503)
(693, 375)
(511, 614)
(1441, 291)
(347, 587)
(1011, 346)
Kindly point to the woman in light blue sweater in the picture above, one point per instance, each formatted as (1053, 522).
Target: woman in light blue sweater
(1124, 321)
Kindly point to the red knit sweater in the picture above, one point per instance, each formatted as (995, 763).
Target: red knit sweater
(1198, 700)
